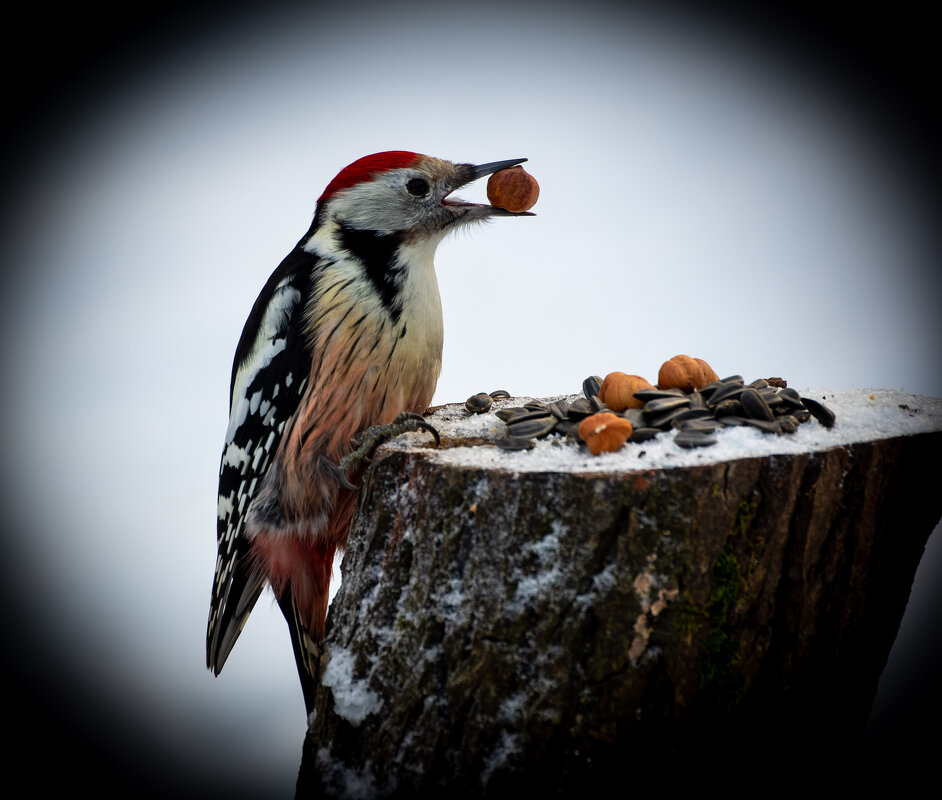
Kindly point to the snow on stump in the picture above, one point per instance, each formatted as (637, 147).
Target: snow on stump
(549, 621)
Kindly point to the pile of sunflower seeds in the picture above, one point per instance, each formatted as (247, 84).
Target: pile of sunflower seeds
(768, 405)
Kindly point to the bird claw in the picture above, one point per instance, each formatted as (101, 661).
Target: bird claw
(410, 421)
(341, 474)
(366, 442)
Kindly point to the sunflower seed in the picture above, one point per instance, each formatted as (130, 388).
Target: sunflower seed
(790, 398)
(538, 426)
(702, 425)
(755, 406)
(663, 404)
(568, 428)
(478, 403)
(707, 390)
(663, 420)
(725, 391)
(771, 397)
(819, 411)
(591, 386)
(762, 424)
(512, 443)
(728, 407)
(506, 414)
(643, 434)
(689, 439)
(580, 407)
(690, 414)
(525, 415)
(647, 395)
(559, 409)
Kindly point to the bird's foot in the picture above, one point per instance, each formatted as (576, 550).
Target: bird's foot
(366, 442)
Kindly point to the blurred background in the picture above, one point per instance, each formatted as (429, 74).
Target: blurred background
(756, 190)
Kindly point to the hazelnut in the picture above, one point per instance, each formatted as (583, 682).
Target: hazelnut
(618, 390)
(684, 372)
(604, 432)
(513, 189)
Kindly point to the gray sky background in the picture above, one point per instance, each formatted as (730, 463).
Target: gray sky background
(702, 193)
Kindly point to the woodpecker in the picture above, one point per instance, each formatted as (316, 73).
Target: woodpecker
(344, 338)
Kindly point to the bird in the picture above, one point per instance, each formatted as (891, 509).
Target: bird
(342, 347)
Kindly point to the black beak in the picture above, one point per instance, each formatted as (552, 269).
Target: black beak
(468, 212)
(481, 170)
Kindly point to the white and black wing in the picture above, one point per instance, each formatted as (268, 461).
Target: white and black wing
(269, 374)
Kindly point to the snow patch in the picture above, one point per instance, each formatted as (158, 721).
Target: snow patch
(513, 706)
(454, 597)
(346, 782)
(531, 587)
(352, 699)
(547, 549)
(506, 747)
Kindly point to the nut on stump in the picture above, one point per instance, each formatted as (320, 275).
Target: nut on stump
(618, 391)
(604, 432)
(686, 373)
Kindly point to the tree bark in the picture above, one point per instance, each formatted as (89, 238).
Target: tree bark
(551, 632)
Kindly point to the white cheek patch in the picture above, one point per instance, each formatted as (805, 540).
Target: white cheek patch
(376, 205)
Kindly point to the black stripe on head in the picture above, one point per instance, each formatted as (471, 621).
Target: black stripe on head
(377, 254)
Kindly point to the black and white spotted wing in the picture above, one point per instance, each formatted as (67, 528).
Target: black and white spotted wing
(269, 374)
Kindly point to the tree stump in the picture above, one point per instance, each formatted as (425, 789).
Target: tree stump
(501, 631)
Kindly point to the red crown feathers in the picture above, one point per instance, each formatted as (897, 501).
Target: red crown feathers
(365, 168)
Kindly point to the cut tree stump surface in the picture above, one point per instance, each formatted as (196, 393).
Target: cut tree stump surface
(550, 620)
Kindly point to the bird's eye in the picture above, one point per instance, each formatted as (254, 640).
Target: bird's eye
(417, 187)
